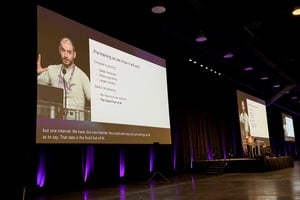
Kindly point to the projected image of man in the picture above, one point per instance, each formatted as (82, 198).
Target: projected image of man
(244, 121)
(69, 77)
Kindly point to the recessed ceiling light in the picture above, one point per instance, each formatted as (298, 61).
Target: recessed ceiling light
(158, 9)
(228, 55)
(201, 37)
(264, 78)
(296, 11)
(276, 86)
(249, 68)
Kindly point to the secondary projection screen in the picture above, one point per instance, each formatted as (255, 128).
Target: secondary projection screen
(288, 127)
(253, 119)
(117, 93)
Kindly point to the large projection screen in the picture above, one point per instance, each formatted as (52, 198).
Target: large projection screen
(128, 101)
(255, 123)
(288, 127)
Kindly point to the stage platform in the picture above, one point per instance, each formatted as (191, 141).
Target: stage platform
(238, 165)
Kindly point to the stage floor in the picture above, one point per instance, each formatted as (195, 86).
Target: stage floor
(279, 184)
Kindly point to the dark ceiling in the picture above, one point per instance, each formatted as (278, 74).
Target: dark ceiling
(260, 33)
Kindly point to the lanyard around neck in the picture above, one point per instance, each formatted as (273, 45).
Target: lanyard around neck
(62, 81)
